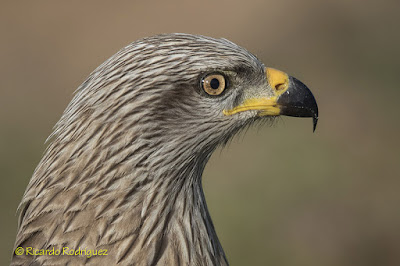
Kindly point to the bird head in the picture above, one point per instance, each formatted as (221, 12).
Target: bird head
(179, 94)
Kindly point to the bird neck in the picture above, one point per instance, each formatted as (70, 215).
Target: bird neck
(148, 211)
(178, 215)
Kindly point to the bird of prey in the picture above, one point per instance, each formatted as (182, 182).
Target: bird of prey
(120, 182)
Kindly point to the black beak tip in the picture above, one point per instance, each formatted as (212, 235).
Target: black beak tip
(315, 121)
(313, 108)
(299, 101)
(314, 111)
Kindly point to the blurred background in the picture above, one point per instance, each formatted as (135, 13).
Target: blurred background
(278, 195)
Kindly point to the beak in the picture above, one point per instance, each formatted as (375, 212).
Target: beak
(291, 98)
(298, 101)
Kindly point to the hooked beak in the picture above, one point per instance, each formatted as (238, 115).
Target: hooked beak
(291, 98)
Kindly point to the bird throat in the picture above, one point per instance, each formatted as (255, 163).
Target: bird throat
(177, 213)
(141, 216)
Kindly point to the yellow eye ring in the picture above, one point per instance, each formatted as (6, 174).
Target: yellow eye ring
(214, 84)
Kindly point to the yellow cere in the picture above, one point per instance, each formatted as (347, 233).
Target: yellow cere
(278, 80)
(279, 83)
(267, 106)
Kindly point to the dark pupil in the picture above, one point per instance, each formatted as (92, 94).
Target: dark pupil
(214, 83)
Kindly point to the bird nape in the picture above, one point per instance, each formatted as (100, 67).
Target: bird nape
(120, 181)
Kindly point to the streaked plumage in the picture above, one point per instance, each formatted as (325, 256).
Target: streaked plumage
(123, 169)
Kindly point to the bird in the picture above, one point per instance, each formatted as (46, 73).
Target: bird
(120, 182)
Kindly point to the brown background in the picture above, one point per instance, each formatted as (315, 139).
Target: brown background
(279, 195)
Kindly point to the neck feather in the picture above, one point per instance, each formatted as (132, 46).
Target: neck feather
(177, 221)
(142, 216)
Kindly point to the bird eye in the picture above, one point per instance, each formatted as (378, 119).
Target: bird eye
(214, 84)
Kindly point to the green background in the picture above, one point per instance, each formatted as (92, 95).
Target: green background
(278, 195)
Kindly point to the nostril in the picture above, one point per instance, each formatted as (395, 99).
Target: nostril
(280, 86)
(278, 81)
